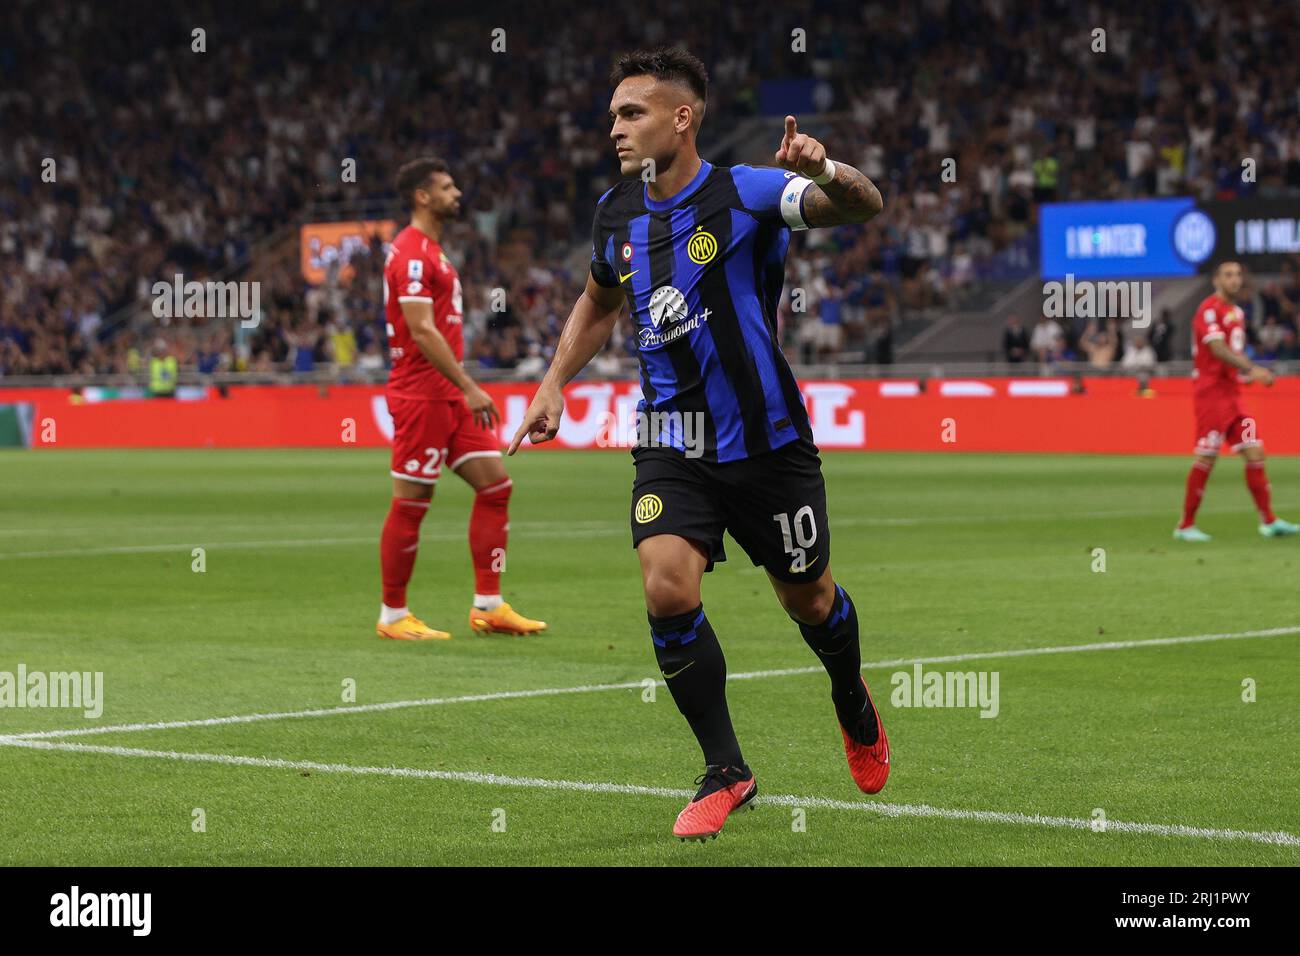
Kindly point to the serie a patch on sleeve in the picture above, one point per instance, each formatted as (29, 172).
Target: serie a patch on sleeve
(792, 202)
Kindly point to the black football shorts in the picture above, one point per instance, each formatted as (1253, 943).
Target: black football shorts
(773, 504)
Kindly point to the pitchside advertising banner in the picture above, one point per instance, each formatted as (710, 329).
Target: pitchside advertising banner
(322, 244)
(15, 423)
(1154, 238)
(988, 414)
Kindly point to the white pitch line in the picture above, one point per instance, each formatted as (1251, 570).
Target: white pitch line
(1272, 838)
(185, 547)
(210, 545)
(1034, 651)
(321, 712)
(316, 525)
(567, 530)
(635, 685)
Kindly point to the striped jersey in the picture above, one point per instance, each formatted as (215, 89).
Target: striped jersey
(702, 272)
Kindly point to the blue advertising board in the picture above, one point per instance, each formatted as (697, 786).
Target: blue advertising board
(1142, 238)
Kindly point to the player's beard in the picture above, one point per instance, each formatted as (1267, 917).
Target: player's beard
(662, 162)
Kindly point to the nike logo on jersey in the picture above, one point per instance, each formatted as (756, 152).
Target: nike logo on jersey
(624, 278)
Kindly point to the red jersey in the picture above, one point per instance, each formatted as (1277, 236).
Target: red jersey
(417, 270)
(1216, 319)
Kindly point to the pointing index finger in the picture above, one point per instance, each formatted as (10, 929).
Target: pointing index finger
(791, 127)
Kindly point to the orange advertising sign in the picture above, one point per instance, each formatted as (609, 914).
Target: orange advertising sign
(323, 243)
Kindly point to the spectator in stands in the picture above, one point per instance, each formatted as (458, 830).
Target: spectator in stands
(162, 370)
(880, 342)
(1139, 356)
(877, 299)
(1162, 336)
(372, 358)
(1187, 90)
(534, 364)
(1015, 341)
(342, 344)
(1271, 336)
(819, 331)
(1286, 292)
(828, 327)
(1048, 340)
(1100, 343)
(303, 341)
(1290, 348)
(1047, 170)
(212, 357)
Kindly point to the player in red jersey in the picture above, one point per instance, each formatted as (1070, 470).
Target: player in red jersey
(1218, 347)
(440, 416)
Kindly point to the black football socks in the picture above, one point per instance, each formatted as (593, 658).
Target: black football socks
(695, 671)
(835, 642)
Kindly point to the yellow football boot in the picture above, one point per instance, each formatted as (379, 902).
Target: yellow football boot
(503, 620)
(410, 628)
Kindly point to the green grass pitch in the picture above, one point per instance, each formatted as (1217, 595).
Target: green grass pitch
(944, 554)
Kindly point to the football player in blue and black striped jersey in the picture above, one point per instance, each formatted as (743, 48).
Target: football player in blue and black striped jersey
(697, 253)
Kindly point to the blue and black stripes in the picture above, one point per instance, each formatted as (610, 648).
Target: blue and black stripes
(835, 642)
(829, 637)
(840, 609)
(691, 661)
(702, 272)
(679, 630)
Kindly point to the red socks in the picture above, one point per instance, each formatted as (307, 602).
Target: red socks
(1257, 482)
(1196, 479)
(488, 524)
(398, 545)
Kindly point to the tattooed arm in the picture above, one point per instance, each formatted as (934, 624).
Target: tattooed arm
(848, 197)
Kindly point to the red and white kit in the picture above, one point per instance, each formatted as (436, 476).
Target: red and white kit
(432, 425)
(1220, 417)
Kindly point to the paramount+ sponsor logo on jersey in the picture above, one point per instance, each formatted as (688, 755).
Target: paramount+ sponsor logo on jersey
(668, 320)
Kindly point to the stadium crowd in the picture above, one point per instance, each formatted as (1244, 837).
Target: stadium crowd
(1272, 314)
(130, 155)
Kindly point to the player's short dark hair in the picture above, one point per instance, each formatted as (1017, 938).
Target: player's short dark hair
(1218, 266)
(671, 64)
(415, 174)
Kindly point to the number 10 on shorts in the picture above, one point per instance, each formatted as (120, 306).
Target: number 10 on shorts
(804, 536)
